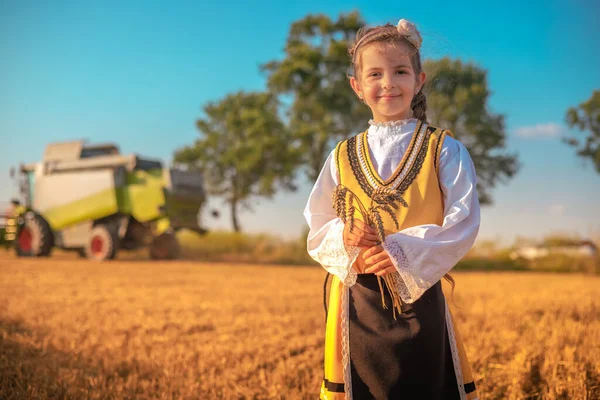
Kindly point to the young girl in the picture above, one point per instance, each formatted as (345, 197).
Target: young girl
(405, 209)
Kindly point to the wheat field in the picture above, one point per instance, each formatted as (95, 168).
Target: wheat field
(133, 329)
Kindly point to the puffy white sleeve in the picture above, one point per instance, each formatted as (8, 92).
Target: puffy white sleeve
(325, 242)
(423, 254)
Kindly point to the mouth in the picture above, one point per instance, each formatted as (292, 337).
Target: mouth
(389, 97)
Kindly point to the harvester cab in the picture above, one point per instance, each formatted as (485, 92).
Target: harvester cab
(94, 200)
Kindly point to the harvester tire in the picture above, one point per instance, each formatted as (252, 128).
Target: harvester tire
(34, 238)
(165, 247)
(103, 244)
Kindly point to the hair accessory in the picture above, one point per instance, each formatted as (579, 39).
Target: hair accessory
(410, 32)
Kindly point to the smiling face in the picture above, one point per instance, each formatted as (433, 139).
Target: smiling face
(387, 81)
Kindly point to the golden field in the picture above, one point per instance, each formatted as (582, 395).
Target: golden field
(134, 329)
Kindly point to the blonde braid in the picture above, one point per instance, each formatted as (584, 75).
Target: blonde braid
(419, 106)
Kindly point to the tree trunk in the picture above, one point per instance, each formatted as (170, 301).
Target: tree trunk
(234, 217)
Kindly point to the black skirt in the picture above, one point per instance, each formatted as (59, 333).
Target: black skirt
(406, 358)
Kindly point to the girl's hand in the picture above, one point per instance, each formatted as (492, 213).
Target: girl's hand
(362, 235)
(378, 261)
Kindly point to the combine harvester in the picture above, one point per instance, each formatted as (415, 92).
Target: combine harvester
(96, 201)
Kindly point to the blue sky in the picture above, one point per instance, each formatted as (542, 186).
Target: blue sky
(138, 73)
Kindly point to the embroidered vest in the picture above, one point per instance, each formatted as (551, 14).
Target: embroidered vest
(416, 177)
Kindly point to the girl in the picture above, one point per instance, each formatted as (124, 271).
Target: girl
(405, 210)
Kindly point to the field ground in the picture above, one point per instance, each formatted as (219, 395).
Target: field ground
(134, 329)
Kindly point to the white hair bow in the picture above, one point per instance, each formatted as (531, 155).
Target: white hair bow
(409, 30)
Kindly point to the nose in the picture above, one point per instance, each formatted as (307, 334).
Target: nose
(388, 84)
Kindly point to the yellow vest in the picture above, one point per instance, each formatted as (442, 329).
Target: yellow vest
(416, 177)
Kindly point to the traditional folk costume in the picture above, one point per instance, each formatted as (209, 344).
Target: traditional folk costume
(370, 352)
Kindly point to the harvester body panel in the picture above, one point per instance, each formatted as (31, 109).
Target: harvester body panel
(142, 195)
(68, 198)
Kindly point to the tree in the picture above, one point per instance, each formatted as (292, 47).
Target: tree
(586, 117)
(324, 108)
(457, 96)
(245, 150)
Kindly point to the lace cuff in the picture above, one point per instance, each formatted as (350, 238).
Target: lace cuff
(335, 256)
(407, 286)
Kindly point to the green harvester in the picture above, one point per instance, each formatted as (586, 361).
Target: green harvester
(96, 201)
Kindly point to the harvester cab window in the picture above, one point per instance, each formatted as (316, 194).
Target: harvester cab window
(96, 151)
(147, 165)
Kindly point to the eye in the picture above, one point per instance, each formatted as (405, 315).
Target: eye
(400, 72)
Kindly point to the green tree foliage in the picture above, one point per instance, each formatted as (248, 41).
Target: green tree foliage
(245, 150)
(457, 96)
(313, 75)
(586, 117)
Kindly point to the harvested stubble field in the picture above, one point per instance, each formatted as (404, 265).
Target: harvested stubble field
(71, 329)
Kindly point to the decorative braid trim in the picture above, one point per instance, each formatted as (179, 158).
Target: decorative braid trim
(436, 158)
(356, 170)
(416, 153)
(367, 167)
(407, 160)
(346, 342)
(417, 159)
(455, 356)
(410, 150)
(438, 148)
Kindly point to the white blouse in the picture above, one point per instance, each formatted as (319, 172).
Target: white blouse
(421, 254)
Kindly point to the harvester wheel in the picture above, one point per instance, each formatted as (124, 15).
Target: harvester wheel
(103, 244)
(165, 247)
(34, 238)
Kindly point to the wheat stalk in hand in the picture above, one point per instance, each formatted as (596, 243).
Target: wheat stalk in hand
(383, 200)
